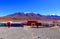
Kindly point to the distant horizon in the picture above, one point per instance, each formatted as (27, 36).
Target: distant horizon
(29, 12)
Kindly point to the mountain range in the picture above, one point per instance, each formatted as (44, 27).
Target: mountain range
(29, 16)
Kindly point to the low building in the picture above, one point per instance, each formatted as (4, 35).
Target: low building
(32, 23)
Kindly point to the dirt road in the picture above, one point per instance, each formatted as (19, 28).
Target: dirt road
(29, 33)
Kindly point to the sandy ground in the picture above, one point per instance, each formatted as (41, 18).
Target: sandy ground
(29, 33)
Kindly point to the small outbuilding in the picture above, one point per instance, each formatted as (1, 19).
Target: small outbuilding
(32, 23)
(8, 24)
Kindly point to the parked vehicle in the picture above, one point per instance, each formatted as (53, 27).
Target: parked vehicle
(58, 23)
(16, 25)
(2, 24)
(47, 25)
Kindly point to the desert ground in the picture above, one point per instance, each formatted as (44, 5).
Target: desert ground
(29, 33)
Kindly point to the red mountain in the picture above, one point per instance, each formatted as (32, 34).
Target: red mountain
(28, 16)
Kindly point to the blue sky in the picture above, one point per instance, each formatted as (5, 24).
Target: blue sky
(44, 7)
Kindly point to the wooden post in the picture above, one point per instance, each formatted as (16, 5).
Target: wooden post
(54, 23)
